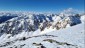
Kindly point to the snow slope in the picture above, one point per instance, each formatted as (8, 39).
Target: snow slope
(72, 37)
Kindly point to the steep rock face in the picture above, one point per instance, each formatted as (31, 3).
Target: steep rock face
(75, 20)
(23, 23)
(32, 22)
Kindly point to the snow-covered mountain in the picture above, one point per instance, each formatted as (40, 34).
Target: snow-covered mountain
(72, 37)
(39, 30)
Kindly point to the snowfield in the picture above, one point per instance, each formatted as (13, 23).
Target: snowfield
(30, 30)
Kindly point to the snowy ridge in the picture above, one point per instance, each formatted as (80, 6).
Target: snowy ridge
(39, 30)
(33, 22)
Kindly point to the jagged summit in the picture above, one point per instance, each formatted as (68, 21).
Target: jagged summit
(31, 22)
(39, 30)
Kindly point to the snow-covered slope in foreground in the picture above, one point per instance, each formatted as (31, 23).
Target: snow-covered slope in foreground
(72, 37)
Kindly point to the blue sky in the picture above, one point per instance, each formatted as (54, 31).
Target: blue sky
(40, 5)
